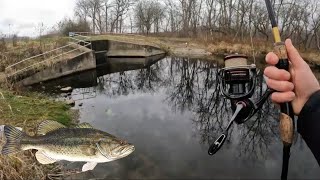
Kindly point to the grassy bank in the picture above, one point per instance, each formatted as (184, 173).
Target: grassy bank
(26, 110)
(215, 46)
(21, 108)
(10, 54)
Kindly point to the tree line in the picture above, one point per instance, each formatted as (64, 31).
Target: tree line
(237, 19)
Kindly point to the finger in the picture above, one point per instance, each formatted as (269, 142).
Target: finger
(293, 54)
(282, 86)
(272, 58)
(281, 97)
(292, 72)
(277, 74)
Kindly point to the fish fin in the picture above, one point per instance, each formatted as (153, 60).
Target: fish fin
(48, 126)
(19, 128)
(2, 138)
(84, 125)
(13, 137)
(89, 166)
(44, 159)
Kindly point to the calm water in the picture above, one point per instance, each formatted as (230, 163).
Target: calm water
(171, 111)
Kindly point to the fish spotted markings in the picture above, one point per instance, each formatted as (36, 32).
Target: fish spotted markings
(56, 142)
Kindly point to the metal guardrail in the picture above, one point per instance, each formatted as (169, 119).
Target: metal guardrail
(88, 34)
(50, 56)
(85, 34)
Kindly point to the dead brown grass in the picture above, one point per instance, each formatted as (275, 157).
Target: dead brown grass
(24, 166)
(26, 49)
(219, 45)
(26, 110)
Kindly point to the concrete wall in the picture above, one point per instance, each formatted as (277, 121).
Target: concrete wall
(122, 49)
(114, 49)
(80, 63)
(104, 52)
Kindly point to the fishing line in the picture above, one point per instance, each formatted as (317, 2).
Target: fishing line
(252, 47)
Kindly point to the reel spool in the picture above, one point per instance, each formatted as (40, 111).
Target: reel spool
(237, 78)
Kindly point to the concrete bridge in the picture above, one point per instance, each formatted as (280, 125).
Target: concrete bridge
(82, 53)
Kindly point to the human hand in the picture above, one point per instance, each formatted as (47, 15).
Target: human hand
(296, 86)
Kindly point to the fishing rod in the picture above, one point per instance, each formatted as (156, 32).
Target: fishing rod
(237, 81)
(287, 114)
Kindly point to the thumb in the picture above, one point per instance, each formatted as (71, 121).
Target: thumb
(293, 54)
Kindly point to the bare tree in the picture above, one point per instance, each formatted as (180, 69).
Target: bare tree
(91, 9)
(94, 14)
(67, 25)
(119, 10)
(173, 15)
(107, 5)
(236, 19)
(81, 10)
(261, 21)
(186, 10)
(148, 13)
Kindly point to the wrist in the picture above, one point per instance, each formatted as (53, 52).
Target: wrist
(310, 102)
(312, 105)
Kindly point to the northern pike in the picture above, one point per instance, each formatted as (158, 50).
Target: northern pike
(56, 142)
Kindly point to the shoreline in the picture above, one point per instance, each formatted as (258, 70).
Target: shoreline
(26, 110)
(15, 102)
(196, 48)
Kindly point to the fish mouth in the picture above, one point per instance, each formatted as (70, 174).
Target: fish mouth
(128, 149)
(118, 152)
(124, 151)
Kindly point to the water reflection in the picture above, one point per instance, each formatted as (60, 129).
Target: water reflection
(171, 111)
(197, 89)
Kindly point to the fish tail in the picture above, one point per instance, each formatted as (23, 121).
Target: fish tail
(13, 137)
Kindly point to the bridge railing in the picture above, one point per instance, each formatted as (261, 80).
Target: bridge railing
(50, 57)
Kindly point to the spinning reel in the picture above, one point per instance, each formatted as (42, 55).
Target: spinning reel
(237, 83)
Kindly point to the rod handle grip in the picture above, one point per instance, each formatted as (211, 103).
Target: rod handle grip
(281, 51)
(287, 115)
(286, 129)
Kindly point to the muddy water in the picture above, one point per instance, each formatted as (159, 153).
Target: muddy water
(171, 111)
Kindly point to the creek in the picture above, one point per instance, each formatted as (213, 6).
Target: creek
(171, 110)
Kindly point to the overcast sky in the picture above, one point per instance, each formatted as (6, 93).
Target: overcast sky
(24, 16)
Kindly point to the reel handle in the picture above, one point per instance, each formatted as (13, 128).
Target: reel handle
(217, 144)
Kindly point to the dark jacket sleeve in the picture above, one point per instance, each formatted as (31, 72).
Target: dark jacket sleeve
(309, 124)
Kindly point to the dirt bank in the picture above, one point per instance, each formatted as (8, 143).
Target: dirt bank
(197, 48)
